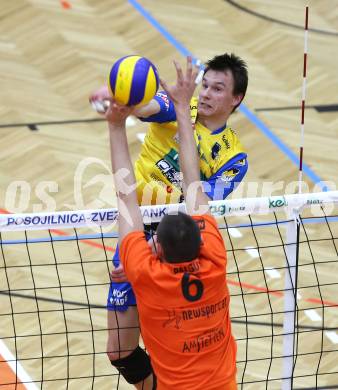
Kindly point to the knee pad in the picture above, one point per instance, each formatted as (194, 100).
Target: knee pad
(154, 381)
(135, 367)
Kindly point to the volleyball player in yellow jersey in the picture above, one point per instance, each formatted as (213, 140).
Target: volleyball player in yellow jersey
(223, 164)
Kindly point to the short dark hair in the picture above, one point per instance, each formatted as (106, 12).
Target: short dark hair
(236, 66)
(179, 237)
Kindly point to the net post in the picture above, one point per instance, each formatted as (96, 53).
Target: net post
(290, 300)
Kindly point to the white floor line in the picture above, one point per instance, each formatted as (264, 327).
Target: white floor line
(332, 335)
(234, 232)
(253, 252)
(17, 367)
(313, 315)
(272, 272)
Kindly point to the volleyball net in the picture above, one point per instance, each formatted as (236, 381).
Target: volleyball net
(282, 276)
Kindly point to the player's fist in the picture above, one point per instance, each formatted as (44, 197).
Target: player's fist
(117, 114)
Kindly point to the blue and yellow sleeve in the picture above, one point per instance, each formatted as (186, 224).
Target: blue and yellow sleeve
(227, 178)
(167, 111)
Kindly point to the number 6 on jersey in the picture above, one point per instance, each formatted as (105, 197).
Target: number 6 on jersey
(186, 286)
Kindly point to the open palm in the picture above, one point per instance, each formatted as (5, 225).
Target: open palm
(182, 91)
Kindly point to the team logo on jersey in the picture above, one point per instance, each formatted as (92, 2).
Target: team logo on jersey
(174, 319)
(215, 150)
(228, 176)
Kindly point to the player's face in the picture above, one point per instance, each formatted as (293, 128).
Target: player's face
(216, 95)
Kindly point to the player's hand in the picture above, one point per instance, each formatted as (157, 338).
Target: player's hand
(101, 93)
(182, 92)
(99, 99)
(117, 114)
(117, 275)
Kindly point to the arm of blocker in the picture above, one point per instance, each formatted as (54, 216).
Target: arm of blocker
(196, 199)
(130, 218)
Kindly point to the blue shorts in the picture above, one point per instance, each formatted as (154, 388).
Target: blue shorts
(120, 295)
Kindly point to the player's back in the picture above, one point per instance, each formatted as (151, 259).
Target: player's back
(184, 317)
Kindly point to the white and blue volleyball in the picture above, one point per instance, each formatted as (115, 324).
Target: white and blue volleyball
(133, 80)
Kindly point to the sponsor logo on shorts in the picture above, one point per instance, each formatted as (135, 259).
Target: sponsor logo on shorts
(119, 298)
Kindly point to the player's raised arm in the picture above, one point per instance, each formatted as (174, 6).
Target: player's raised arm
(130, 218)
(180, 94)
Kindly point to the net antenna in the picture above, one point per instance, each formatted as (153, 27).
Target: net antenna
(300, 177)
(290, 323)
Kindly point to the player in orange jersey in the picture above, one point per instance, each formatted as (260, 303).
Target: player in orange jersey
(181, 290)
(223, 164)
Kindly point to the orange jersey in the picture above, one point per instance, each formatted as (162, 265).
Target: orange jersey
(184, 312)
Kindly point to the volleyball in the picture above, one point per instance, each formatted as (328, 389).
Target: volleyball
(133, 80)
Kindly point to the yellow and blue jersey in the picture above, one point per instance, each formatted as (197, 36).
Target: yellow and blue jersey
(223, 161)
